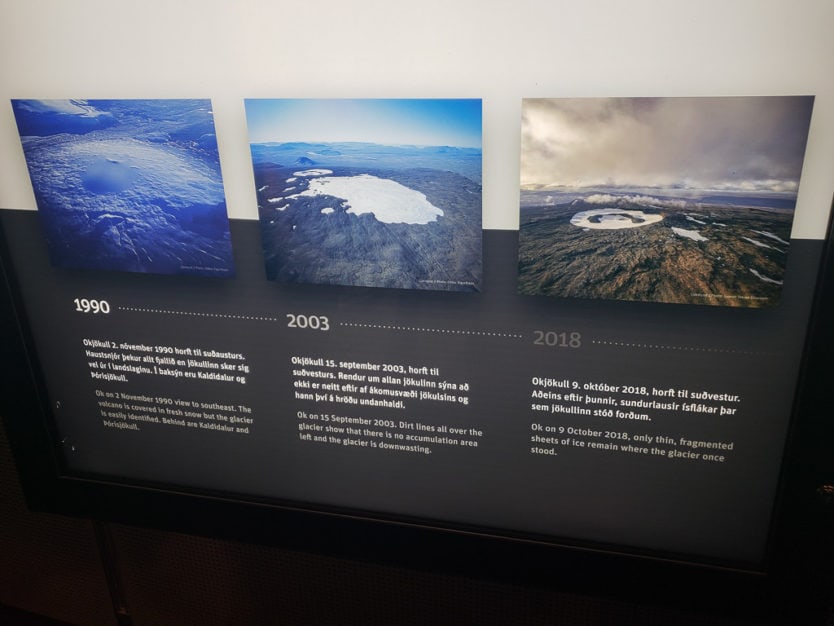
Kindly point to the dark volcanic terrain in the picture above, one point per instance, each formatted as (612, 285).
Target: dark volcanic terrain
(314, 239)
(718, 254)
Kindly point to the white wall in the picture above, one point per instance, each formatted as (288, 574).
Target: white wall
(497, 50)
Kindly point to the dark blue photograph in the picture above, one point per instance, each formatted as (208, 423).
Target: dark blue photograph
(128, 185)
(370, 193)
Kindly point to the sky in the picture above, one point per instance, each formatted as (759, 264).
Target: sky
(391, 122)
(730, 144)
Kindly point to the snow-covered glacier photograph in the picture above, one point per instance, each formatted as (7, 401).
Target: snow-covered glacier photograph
(679, 200)
(370, 193)
(128, 185)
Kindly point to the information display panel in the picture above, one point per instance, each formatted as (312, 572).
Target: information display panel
(619, 373)
(655, 428)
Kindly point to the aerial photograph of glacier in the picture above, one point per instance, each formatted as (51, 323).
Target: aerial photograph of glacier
(372, 193)
(128, 185)
(678, 200)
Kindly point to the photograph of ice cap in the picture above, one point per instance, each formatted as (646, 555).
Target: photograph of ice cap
(373, 193)
(128, 185)
(679, 200)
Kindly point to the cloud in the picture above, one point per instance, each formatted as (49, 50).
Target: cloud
(49, 117)
(66, 107)
(705, 143)
(605, 198)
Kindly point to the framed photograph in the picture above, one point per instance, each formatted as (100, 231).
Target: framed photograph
(679, 200)
(373, 193)
(128, 185)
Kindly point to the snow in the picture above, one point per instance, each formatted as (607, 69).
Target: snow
(388, 201)
(694, 235)
(610, 219)
(124, 196)
(764, 278)
(328, 210)
(308, 173)
(123, 174)
(764, 233)
(276, 201)
(760, 244)
(292, 179)
(66, 107)
(692, 219)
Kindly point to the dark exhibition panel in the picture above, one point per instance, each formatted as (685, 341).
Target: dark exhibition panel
(359, 313)
(194, 554)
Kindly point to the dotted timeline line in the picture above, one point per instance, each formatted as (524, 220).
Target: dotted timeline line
(651, 346)
(276, 319)
(443, 331)
(195, 314)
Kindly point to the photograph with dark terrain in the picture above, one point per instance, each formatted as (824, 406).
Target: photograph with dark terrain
(128, 185)
(678, 200)
(372, 193)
